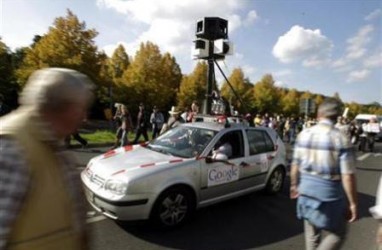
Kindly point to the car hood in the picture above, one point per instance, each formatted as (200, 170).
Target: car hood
(129, 159)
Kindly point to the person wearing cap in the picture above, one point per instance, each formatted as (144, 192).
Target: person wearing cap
(323, 180)
(42, 205)
(174, 120)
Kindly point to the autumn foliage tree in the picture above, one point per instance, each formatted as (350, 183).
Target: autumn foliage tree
(151, 78)
(290, 103)
(193, 86)
(265, 95)
(243, 88)
(67, 44)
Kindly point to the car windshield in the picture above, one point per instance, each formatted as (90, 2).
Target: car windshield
(183, 141)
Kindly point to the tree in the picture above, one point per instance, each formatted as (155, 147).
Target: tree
(151, 78)
(243, 89)
(318, 100)
(194, 86)
(337, 97)
(8, 84)
(354, 109)
(172, 76)
(290, 103)
(119, 62)
(67, 44)
(265, 96)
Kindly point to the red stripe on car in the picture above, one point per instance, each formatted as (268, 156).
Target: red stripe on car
(119, 172)
(109, 154)
(147, 165)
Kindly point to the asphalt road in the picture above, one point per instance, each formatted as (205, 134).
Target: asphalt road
(255, 221)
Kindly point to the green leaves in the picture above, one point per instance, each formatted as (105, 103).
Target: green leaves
(152, 78)
(193, 87)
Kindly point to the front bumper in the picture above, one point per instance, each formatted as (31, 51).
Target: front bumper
(136, 208)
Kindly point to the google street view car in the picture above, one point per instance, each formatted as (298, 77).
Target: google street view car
(188, 167)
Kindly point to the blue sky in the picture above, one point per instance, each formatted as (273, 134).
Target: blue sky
(320, 46)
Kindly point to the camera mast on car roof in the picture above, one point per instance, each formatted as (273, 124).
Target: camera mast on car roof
(212, 44)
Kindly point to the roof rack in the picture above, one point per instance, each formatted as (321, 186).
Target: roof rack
(222, 119)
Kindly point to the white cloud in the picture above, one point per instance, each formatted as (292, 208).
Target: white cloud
(356, 49)
(374, 61)
(187, 10)
(357, 44)
(375, 14)
(251, 17)
(129, 47)
(339, 63)
(171, 24)
(358, 75)
(248, 70)
(310, 46)
(281, 84)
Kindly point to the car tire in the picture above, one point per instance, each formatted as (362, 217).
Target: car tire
(275, 181)
(173, 207)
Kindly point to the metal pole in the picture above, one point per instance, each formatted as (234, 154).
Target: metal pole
(210, 79)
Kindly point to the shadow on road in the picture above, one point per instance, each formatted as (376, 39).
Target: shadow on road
(244, 223)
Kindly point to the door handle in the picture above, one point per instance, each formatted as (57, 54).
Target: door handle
(244, 164)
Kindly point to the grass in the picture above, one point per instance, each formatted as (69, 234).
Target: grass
(99, 136)
(105, 136)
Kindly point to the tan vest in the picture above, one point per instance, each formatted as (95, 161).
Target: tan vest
(46, 217)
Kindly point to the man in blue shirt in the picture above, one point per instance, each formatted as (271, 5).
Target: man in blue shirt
(323, 180)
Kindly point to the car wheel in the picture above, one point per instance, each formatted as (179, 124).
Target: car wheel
(173, 207)
(275, 181)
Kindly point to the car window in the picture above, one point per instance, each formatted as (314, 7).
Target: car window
(259, 142)
(235, 141)
(183, 141)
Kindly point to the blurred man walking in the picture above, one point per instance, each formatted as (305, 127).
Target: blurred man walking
(323, 180)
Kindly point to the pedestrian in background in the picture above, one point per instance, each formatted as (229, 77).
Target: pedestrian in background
(174, 120)
(194, 111)
(372, 129)
(323, 180)
(157, 121)
(126, 126)
(117, 118)
(41, 203)
(142, 124)
(76, 136)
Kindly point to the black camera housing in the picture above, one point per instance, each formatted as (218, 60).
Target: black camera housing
(212, 28)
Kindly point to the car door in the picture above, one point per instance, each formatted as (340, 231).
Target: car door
(260, 155)
(219, 179)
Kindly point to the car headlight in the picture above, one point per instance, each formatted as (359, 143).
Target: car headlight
(117, 187)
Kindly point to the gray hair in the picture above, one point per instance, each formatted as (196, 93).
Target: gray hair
(329, 108)
(52, 89)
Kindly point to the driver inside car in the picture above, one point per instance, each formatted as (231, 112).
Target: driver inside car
(222, 151)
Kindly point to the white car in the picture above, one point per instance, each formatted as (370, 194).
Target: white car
(191, 166)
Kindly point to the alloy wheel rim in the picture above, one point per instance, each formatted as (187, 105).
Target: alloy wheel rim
(174, 209)
(276, 180)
